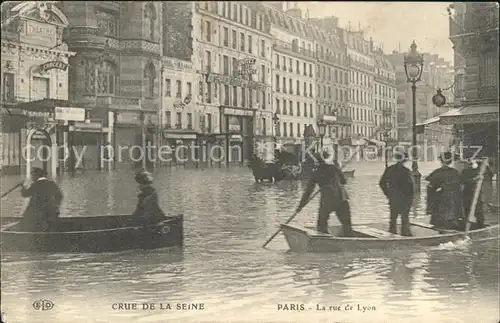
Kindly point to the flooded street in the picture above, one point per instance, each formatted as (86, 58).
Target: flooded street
(227, 219)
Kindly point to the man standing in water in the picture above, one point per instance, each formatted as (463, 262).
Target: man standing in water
(330, 180)
(397, 185)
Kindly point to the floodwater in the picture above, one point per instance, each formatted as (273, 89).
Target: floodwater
(227, 219)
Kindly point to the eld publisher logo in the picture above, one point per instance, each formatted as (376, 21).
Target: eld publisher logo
(43, 305)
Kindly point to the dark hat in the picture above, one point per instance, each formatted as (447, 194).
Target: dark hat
(400, 156)
(37, 171)
(446, 157)
(142, 176)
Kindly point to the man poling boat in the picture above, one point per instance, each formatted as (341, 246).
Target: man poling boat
(334, 197)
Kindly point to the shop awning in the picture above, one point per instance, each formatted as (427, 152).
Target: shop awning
(471, 114)
(437, 119)
(375, 142)
(44, 105)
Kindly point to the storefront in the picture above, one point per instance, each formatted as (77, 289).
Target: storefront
(179, 148)
(237, 125)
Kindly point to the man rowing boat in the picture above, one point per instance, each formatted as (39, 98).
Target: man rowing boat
(334, 198)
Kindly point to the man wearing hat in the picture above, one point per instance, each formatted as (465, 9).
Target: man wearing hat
(444, 195)
(334, 198)
(45, 199)
(397, 185)
(148, 210)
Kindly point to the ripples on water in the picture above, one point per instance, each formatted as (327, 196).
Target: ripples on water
(228, 218)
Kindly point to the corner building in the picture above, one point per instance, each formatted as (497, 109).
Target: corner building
(116, 71)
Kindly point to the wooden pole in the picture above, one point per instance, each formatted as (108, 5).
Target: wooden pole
(476, 194)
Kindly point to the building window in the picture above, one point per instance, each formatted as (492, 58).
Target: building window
(310, 90)
(278, 106)
(107, 78)
(150, 76)
(297, 67)
(243, 97)
(235, 66)
(291, 129)
(178, 92)
(235, 96)
(225, 62)
(290, 86)
(41, 88)
(150, 18)
(208, 33)
(311, 111)
(277, 83)
(226, 37)
(209, 92)
(263, 74)
(250, 44)
(263, 48)
(190, 121)
(107, 23)
(178, 123)
(190, 88)
(209, 122)
(298, 87)
(284, 85)
(226, 94)
(8, 92)
(305, 109)
(242, 42)
(168, 119)
(264, 127)
(489, 70)
(284, 107)
(298, 130)
(208, 61)
(263, 100)
(298, 109)
(285, 130)
(235, 39)
(168, 87)
(200, 89)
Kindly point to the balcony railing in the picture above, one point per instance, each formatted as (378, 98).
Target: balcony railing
(277, 44)
(385, 79)
(85, 36)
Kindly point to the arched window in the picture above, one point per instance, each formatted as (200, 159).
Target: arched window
(149, 21)
(149, 80)
(107, 78)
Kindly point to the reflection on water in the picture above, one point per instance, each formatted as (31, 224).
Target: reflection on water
(228, 218)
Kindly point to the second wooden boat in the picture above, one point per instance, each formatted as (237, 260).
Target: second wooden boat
(374, 236)
(93, 235)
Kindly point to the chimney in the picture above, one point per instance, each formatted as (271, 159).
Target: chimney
(295, 12)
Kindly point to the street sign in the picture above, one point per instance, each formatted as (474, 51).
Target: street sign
(69, 114)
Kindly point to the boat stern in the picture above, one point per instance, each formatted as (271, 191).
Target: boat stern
(297, 238)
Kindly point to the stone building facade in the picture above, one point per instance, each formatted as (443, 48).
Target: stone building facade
(294, 71)
(34, 74)
(115, 73)
(361, 80)
(384, 98)
(231, 51)
(474, 34)
(332, 79)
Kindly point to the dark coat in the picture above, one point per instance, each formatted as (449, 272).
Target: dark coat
(148, 210)
(330, 180)
(397, 185)
(444, 198)
(43, 207)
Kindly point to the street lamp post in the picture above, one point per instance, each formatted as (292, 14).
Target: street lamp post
(322, 129)
(414, 63)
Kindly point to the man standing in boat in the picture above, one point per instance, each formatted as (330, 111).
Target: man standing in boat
(45, 199)
(148, 211)
(334, 197)
(444, 195)
(397, 186)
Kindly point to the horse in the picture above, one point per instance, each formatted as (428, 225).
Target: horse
(262, 171)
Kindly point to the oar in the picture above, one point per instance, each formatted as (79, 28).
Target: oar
(289, 220)
(12, 189)
(476, 195)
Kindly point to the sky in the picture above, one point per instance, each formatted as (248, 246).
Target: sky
(395, 24)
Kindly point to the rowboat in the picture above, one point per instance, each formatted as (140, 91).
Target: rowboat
(93, 235)
(374, 236)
